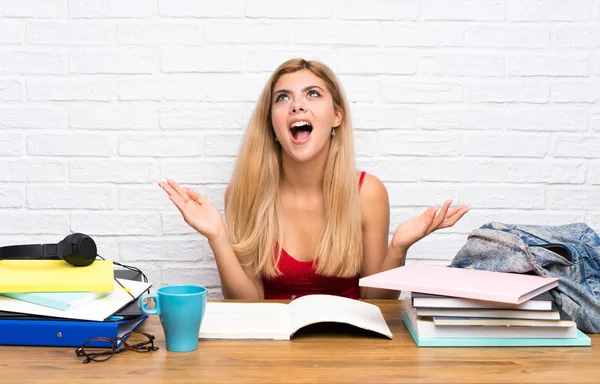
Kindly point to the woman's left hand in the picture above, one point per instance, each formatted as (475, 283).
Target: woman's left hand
(432, 219)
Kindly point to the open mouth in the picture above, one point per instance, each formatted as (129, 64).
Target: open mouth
(301, 130)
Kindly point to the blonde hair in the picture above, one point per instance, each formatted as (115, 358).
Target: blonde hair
(252, 205)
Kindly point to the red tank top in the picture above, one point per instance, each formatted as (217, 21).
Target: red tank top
(298, 278)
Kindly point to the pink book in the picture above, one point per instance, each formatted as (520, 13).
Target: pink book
(501, 287)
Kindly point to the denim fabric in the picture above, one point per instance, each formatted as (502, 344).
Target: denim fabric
(570, 252)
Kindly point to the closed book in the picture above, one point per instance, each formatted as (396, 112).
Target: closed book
(489, 313)
(63, 333)
(20, 276)
(541, 302)
(58, 300)
(425, 327)
(458, 321)
(582, 340)
(502, 287)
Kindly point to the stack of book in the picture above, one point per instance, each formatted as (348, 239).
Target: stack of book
(50, 303)
(463, 307)
(435, 320)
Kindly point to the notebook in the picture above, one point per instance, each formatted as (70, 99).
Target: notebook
(55, 276)
(130, 310)
(58, 300)
(466, 283)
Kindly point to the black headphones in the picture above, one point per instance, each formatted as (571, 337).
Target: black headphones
(76, 249)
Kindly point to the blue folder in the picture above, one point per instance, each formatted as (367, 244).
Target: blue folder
(64, 333)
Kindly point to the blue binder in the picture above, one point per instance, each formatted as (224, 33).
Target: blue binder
(63, 333)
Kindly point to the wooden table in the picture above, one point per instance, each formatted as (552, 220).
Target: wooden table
(311, 357)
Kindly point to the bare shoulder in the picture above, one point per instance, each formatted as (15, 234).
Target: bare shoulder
(372, 191)
(374, 200)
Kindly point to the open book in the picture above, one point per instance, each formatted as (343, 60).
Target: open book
(280, 321)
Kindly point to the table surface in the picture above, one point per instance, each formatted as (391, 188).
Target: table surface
(315, 355)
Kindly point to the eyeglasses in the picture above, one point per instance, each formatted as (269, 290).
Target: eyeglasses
(102, 348)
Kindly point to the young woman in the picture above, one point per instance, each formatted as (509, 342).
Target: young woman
(299, 217)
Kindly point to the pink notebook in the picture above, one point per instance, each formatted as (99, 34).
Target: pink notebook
(458, 282)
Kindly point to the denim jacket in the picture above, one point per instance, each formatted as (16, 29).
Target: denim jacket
(570, 252)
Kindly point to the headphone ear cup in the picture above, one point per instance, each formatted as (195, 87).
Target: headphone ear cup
(84, 250)
(66, 241)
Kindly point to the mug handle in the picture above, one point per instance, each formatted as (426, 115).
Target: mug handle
(144, 308)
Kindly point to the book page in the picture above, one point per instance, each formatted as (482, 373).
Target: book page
(314, 309)
(245, 321)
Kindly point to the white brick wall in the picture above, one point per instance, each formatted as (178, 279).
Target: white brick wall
(494, 103)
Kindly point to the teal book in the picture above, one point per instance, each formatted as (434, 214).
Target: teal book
(58, 300)
(582, 340)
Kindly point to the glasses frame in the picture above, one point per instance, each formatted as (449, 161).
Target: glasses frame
(143, 347)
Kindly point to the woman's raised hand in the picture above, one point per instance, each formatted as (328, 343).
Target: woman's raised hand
(432, 219)
(198, 212)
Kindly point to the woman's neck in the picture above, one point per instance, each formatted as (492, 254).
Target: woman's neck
(304, 177)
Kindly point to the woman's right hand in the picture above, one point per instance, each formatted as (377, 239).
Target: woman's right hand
(198, 212)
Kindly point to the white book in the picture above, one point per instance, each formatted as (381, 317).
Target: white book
(458, 321)
(542, 302)
(490, 313)
(279, 321)
(426, 328)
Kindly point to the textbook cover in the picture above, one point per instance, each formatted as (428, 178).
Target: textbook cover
(501, 287)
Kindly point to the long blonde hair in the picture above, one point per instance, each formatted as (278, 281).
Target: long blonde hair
(252, 205)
